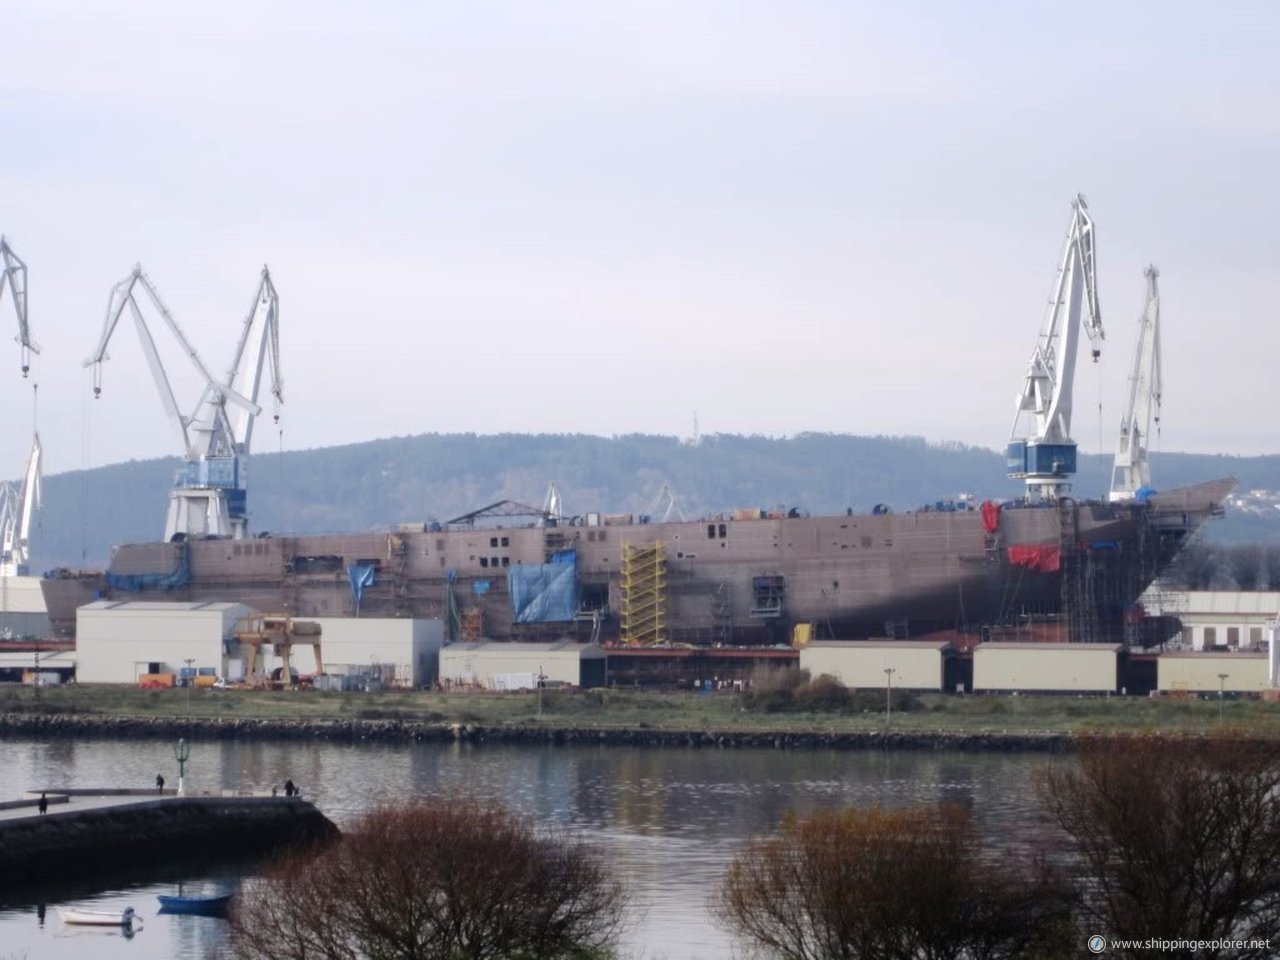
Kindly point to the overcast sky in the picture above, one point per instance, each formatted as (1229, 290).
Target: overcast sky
(603, 217)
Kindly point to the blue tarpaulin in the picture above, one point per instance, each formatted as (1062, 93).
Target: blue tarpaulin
(545, 592)
(361, 575)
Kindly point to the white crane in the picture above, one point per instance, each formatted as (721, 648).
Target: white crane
(1041, 450)
(1132, 471)
(17, 508)
(14, 276)
(208, 495)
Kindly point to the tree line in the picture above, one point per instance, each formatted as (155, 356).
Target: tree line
(1152, 838)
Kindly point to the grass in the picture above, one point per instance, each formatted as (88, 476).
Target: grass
(632, 709)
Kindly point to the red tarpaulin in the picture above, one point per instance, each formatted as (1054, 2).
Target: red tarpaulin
(1046, 559)
(990, 516)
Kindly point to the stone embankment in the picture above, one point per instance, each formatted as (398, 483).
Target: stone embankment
(72, 726)
(87, 837)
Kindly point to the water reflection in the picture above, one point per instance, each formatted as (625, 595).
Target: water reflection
(670, 819)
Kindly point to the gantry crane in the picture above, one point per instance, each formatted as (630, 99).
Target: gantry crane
(1132, 471)
(208, 496)
(1041, 450)
(280, 633)
(15, 278)
(17, 508)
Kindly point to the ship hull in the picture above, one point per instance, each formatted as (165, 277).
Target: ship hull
(909, 574)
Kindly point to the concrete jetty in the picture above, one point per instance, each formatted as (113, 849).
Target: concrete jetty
(90, 831)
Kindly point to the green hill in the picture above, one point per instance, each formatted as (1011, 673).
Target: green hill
(437, 477)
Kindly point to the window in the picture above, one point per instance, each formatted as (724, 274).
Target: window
(506, 541)
(723, 531)
(493, 541)
(506, 561)
(711, 531)
(484, 561)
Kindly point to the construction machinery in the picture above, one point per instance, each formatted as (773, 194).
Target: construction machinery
(208, 498)
(17, 508)
(1132, 470)
(1041, 450)
(279, 634)
(13, 274)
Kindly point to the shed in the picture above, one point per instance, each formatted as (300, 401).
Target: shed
(1047, 667)
(860, 664)
(402, 652)
(120, 641)
(1211, 672)
(517, 666)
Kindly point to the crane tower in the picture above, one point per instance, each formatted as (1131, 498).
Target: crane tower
(1041, 450)
(1132, 471)
(13, 274)
(208, 497)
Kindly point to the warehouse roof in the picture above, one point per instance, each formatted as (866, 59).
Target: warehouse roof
(1049, 647)
(161, 606)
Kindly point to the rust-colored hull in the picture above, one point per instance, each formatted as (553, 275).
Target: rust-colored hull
(851, 576)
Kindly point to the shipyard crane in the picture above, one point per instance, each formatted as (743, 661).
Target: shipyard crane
(15, 278)
(17, 508)
(208, 495)
(1041, 450)
(1132, 471)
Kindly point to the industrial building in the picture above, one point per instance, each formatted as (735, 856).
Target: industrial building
(22, 612)
(518, 666)
(1219, 619)
(1046, 667)
(399, 653)
(903, 664)
(123, 641)
(1212, 672)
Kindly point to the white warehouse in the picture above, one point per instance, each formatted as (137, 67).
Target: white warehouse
(1212, 672)
(517, 666)
(1046, 667)
(400, 652)
(859, 664)
(119, 641)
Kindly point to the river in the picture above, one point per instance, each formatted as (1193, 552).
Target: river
(670, 819)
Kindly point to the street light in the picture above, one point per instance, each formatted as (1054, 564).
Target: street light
(181, 750)
(888, 696)
(1222, 693)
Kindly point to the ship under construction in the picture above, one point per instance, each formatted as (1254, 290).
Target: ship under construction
(1045, 565)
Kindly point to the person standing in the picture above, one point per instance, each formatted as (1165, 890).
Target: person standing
(43, 805)
(159, 783)
(288, 788)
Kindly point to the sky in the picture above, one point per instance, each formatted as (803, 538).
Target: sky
(612, 218)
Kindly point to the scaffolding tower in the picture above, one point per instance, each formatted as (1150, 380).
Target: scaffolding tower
(644, 595)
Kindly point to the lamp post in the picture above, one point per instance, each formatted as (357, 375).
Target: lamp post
(888, 696)
(540, 678)
(182, 750)
(1222, 693)
(189, 680)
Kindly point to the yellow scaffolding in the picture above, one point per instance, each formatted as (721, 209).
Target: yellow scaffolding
(644, 594)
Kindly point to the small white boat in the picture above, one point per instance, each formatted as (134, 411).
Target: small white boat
(100, 918)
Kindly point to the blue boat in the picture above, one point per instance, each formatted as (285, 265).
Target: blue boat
(214, 906)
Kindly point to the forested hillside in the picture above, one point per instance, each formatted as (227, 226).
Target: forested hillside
(437, 477)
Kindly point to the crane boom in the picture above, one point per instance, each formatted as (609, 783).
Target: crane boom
(14, 276)
(17, 509)
(208, 495)
(1041, 450)
(1132, 470)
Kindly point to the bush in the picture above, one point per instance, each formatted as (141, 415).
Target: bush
(887, 885)
(824, 694)
(1174, 837)
(444, 878)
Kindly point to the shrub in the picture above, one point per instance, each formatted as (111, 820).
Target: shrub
(1174, 837)
(886, 885)
(444, 878)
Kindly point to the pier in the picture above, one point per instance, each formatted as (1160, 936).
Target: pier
(90, 831)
